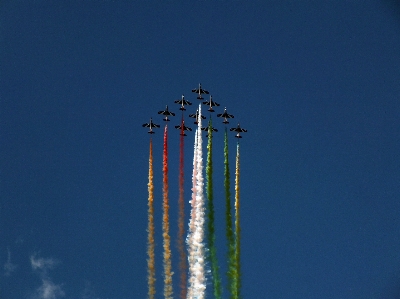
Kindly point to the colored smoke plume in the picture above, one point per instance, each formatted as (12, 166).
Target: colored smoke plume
(210, 224)
(166, 237)
(151, 272)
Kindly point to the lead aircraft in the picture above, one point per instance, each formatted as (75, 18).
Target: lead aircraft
(200, 91)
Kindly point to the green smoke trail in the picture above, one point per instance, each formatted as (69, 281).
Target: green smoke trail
(238, 273)
(211, 227)
(229, 229)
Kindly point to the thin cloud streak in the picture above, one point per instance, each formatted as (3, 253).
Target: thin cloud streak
(9, 267)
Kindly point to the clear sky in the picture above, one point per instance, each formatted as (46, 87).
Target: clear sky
(316, 83)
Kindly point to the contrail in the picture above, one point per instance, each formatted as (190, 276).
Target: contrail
(211, 226)
(229, 229)
(166, 237)
(181, 221)
(197, 280)
(151, 272)
(238, 273)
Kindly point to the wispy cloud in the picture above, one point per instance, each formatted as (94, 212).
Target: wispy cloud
(42, 264)
(9, 267)
(48, 289)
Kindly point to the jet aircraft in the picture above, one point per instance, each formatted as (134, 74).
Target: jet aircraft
(211, 103)
(238, 130)
(225, 115)
(200, 91)
(206, 129)
(196, 116)
(184, 128)
(151, 125)
(183, 102)
(166, 113)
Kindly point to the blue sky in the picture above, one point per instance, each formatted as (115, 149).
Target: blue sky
(316, 83)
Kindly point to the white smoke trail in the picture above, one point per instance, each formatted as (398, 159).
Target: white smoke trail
(197, 280)
(189, 239)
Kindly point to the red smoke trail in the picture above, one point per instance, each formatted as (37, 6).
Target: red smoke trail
(151, 272)
(181, 221)
(166, 236)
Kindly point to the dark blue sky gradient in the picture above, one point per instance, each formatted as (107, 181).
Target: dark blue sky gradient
(316, 83)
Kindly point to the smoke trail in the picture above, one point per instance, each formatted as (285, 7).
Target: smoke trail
(211, 227)
(151, 272)
(167, 239)
(237, 226)
(229, 229)
(197, 281)
(181, 222)
(189, 240)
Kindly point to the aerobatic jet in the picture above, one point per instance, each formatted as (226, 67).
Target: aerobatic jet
(196, 116)
(211, 103)
(200, 91)
(238, 130)
(183, 102)
(206, 129)
(151, 125)
(166, 113)
(185, 128)
(225, 115)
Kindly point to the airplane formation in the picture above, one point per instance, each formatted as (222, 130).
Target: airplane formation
(211, 103)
